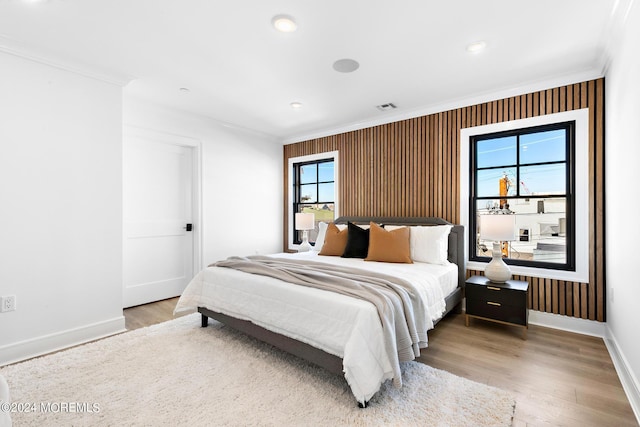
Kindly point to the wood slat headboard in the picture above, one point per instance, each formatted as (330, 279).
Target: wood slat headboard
(412, 168)
(456, 237)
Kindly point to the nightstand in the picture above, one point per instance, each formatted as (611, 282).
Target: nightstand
(497, 302)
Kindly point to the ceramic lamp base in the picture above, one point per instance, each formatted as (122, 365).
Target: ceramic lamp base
(497, 271)
(304, 246)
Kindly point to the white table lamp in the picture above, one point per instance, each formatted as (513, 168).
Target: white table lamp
(499, 228)
(305, 222)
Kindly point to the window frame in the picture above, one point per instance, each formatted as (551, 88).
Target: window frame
(293, 195)
(568, 196)
(582, 209)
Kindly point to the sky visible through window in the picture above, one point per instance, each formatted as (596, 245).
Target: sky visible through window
(535, 148)
(312, 174)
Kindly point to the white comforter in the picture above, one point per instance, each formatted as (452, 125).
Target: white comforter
(346, 327)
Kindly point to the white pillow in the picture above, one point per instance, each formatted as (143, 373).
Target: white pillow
(393, 227)
(322, 231)
(430, 243)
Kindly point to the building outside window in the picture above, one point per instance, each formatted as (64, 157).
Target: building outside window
(529, 173)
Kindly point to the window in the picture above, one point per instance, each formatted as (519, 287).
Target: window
(313, 190)
(530, 173)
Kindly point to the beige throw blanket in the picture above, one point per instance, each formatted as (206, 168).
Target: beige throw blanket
(400, 308)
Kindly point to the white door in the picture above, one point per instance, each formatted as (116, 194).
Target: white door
(158, 206)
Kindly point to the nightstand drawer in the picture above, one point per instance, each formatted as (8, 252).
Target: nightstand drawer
(497, 311)
(501, 295)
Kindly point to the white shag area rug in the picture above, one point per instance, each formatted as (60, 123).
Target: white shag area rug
(177, 373)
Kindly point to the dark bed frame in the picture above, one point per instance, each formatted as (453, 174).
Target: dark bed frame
(321, 358)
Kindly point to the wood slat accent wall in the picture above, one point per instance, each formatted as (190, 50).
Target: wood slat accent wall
(411, 168)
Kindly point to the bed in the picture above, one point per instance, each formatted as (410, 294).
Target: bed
(337, 332)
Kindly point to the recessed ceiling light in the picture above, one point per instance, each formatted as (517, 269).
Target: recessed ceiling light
(296, 105)
(476, 47)
(346, 65)
(284, 23)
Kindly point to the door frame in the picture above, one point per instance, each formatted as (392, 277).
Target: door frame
(195, 145)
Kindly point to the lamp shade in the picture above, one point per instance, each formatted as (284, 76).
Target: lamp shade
(305, 221)
(498, 227)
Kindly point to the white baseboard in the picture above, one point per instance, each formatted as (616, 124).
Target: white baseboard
(630, 383)
(34, 347)
(568, 323)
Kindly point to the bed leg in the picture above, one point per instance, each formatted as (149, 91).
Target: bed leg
(458, 308)
(205, 321)
(363, 405)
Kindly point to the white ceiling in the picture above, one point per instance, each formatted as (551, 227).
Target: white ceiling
(241, 71)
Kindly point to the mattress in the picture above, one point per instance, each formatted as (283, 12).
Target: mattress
(337, 324)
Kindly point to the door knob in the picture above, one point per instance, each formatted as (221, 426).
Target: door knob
(188, 227)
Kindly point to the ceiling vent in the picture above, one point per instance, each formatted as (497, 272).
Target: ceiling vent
(386, 107)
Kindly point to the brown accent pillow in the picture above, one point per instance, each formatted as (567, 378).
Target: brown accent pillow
(389, 246)
(335, 241)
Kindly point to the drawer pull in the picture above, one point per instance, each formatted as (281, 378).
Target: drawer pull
(493, 288)
(497, 304)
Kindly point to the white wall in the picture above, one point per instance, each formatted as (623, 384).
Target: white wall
(622, 153)
(241, 180)
(60, 207)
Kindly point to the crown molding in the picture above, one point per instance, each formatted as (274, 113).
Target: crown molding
(613, 32)
(137, 101)
(11, 47)
(479, 98)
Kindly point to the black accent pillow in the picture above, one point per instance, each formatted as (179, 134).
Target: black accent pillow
(357, 242)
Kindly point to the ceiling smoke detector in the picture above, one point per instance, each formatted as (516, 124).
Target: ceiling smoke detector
(386, 107)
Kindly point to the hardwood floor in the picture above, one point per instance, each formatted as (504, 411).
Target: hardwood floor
(559, 378)
(150, 314)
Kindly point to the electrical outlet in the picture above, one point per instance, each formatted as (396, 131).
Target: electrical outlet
(7, 303)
